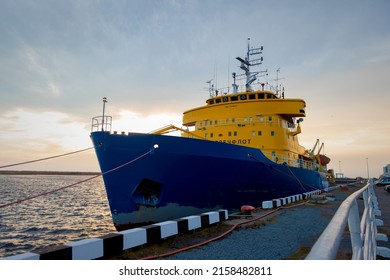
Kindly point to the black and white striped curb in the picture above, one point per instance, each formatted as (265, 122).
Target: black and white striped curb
(114, 243)
(278, 202)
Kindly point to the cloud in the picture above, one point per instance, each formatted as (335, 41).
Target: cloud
(60, 58)
(129, 121)
(41, 132)
(41, 69)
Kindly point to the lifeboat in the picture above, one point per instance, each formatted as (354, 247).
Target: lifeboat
(324, 160)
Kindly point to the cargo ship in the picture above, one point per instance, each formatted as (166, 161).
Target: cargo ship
(240, 148)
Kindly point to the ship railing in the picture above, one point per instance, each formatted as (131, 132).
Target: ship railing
(244, 121)
(285, 159)
(242, 88)
(101, 123)
(363, 232)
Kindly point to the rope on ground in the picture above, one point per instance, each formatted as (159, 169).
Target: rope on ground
(41, 159)
(79, 182)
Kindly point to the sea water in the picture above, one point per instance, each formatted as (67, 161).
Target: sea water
(70, 214)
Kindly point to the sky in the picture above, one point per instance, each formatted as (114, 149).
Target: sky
(151, 59)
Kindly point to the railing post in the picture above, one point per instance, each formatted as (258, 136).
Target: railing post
(354, 229)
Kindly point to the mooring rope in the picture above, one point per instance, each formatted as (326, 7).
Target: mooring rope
(41, 159)
(82, 181)
(299, 181)
(284, 173)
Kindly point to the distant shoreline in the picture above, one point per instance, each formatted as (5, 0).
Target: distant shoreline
(27, 172)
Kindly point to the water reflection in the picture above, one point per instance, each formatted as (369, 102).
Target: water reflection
(71, 214)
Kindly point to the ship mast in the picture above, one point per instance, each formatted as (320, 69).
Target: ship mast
(245, 65)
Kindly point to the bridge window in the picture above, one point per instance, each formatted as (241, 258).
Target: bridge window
(218, 100)
(260, 96)
(252, 96)
(225, 99)
(211, 102)
(234, 98)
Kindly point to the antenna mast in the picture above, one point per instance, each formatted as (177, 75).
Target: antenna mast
(246, 63)
(104, 108)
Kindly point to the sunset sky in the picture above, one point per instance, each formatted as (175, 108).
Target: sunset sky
(151, 59)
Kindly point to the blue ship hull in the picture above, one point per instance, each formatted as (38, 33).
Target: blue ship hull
(186, 176)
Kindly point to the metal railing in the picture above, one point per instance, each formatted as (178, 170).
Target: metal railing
(101, 123)
(283, 158)
(363, 232)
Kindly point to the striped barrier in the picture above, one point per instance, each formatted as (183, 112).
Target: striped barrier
(275, 203)
(114, 243)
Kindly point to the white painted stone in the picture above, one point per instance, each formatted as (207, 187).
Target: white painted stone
(225, 213)
(378, 212)
(194, 222)
(213, 217)
(379, 222)
(86, 249)
(278, 202)
(383, 252)
(381, 237)
(168, 228)
(267, 204)
(25, 256)
(133, 237)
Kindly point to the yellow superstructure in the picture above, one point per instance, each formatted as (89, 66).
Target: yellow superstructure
(258, 119)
